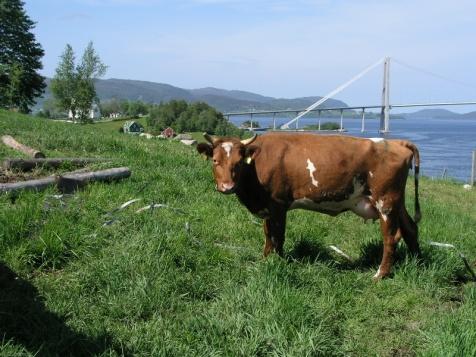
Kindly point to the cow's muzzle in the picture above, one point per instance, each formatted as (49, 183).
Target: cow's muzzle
(226, 188)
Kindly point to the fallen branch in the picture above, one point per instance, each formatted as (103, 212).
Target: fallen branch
(110, 214)
(11, 142)
(125, 204)
(68, 182)
(230, 247)
(30, 164)
(159, 205)
(461, 255)
(340, 252)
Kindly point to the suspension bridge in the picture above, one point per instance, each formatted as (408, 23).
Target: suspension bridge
(384, 107)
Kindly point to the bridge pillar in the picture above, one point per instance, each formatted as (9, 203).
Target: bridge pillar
(385, 112)
(341, 120)
(363, 120)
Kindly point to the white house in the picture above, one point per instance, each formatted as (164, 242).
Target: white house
(115, 115)
(94, 113)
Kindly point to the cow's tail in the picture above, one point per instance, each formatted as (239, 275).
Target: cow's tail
(416, 164)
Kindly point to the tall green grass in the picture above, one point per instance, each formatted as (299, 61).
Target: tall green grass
(189, 280)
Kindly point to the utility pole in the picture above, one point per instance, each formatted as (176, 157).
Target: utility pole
(385, 113)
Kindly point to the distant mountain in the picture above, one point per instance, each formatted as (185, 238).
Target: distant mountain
(146, 91)
(235, 94)
(470, 115)
(221, 99)
(433, 114)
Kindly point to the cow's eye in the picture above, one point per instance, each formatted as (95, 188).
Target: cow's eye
(215, 162)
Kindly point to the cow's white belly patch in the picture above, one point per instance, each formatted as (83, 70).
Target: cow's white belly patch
(357, 202)
(312, 169)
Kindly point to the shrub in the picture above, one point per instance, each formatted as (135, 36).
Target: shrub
(183, 116)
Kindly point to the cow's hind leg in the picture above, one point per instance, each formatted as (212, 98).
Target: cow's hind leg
(389, 227)
(409, 231)
(274, 230)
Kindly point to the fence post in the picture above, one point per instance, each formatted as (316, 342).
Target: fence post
(473, 169)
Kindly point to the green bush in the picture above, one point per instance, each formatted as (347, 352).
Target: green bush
(183, 116)
(324, 126)
(247, 124)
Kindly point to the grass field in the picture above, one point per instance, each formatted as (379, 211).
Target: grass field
(189, 279)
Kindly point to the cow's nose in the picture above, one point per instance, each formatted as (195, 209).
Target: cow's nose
(227, 187)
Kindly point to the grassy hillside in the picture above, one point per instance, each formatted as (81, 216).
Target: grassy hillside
(189, 279)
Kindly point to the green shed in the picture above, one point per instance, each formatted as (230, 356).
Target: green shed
(132, 127)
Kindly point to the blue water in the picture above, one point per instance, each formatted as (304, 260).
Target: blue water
(445, 145)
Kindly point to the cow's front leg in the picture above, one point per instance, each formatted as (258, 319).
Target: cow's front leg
(274, 229)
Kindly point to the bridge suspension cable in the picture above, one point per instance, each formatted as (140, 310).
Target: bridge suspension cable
(421, 70)
(334, 92)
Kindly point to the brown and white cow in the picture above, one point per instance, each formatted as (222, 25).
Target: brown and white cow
(277, 172)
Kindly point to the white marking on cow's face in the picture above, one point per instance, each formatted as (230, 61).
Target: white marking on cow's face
(227, 146)
(377, 140)
(312, 169)
(371, 174)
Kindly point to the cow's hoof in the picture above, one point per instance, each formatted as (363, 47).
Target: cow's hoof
(380, 274)
(376, 278)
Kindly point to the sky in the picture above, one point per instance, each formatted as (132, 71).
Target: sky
(279, 48)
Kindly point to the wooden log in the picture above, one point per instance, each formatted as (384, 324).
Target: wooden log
(72, 181)
(33, 185)
(9, 141)
(30, 164)
(68, 182)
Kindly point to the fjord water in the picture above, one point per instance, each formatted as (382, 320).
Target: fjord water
(445, 145)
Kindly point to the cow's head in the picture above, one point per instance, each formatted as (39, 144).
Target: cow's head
(228, 155)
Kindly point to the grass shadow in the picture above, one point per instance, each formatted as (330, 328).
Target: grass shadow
(309, 251)
(369, 257)
(25, 320)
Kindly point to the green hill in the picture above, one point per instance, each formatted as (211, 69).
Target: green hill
(78, 276)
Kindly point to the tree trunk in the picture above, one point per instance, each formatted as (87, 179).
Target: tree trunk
(73, 114)
(9, 141)
(68, 182)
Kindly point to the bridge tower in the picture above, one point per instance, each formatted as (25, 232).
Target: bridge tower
(385, 113)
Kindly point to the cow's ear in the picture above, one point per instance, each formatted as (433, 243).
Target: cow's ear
(251, 152)
(205, 149)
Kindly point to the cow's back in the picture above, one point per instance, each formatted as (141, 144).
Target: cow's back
(292, 166)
